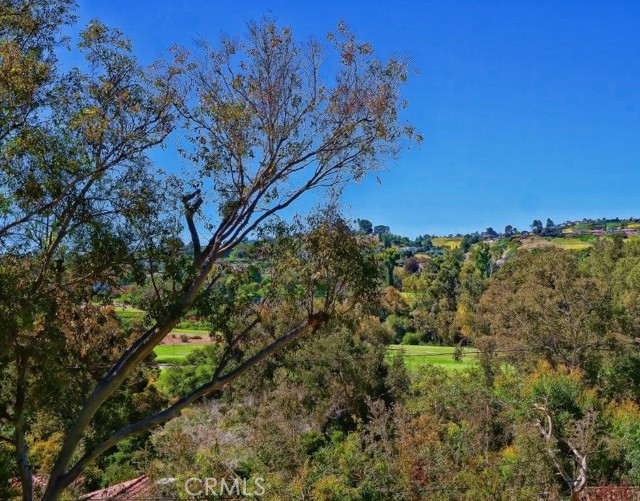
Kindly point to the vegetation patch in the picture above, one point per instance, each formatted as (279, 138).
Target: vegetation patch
(448, 242)
(173, 354)
(440, 356)
(129, 313)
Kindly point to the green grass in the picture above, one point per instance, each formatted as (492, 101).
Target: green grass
(129, 313)
(581, 242)
(440, 356)
(602, 226)
(190, 332)
(414, 356)
(172, 354)
(570, 243)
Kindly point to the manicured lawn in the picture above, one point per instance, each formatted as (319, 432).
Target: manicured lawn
(414, 356)
(171, 354)
(441, 356)
(129, 313)
(191, 332)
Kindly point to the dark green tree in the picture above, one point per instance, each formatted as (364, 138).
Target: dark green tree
(365, 226)
(550, 229)
(424, 242)
(381, 230)
(482, 258)
(390, 258)
(411, 265)
(536, 227)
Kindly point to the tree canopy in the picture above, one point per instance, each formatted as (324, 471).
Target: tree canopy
(83, 208)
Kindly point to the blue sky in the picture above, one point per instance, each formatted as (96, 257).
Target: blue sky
(529, 109)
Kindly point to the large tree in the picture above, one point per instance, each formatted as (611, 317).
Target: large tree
(76, 198)
(261, 124)
(365, 226)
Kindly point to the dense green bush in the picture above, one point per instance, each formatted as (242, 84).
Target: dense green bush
(399, 325)
(411, 338)
(194, 324)
(196, 370)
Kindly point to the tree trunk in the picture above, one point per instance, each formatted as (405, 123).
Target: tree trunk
(26, 478)
(22, 459)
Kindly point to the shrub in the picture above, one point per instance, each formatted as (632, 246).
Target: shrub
(193, 323)
(196, 369)
(411, 338)
(399, 324)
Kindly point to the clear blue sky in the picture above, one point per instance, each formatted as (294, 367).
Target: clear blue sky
(529, 109)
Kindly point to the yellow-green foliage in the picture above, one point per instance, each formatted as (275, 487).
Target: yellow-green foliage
(567, 243)
(409, 297)
(576, 244)
(570, 243)
(451, 243)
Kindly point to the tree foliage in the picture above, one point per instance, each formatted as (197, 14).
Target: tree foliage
(82, 210)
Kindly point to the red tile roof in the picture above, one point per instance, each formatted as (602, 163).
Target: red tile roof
(612, 493)
(137, 489)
